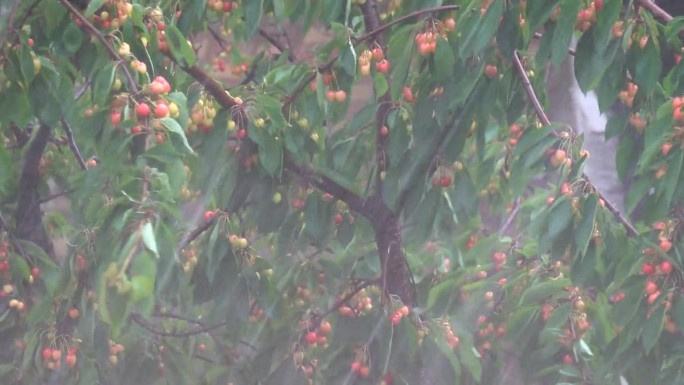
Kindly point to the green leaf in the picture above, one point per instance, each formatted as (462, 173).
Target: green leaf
(479, 37)
(540, 291)
(103, 83)
(179, 46)
(564, 30)
(381, 85)
(149, 239)
(142, 287)
(585, 228)
(72, 38)
(444, 60)
(173, 126)
(93, 6)
(653, 326)
(253, 11)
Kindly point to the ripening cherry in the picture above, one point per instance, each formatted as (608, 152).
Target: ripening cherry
(666, 267)
(340, 95)
(446, 181)
(491, 71)
(355, 366)
(363, 371)
(384, 131)
(666, 147)
(383, 66)
(651, 287)
(331, 95)
(46, 354)
(311, 338)
(665, 245)
(161, 110)
(378, 54)
(71, 360)
(408, 95)
(115, 118)
(209, 215)
(143, 110)
(647, 268)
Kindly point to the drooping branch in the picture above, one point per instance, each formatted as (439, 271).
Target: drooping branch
(378, 29)
(72, 144)
(539, 110)
(154, 329)
(99, 36)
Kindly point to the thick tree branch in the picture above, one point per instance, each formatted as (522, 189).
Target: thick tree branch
(539, 110)
(29, 216)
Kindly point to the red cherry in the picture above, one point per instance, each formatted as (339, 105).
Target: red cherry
(311, 338)
(339, 219)
(383, 66)
(378, 54)
(47, 354)
(666, 267)
(35, 273)
(71, 360)
(241, 133)
(384, 131)
(665, 245)
(143, 110)
(568, 360)
(161, 110)
(598, 5)
(115, 117)
(355, 366)
(446, 181)
(651, 287)
(363, 371)
(491, 71)
(647, 268)
(208, 215)
(136, 129)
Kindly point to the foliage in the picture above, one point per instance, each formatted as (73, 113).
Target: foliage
(253, 232)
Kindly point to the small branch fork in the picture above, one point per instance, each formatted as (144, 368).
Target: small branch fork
(631, 230)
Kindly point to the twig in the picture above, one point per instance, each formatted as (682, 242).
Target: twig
(382, 161)
(539, 110)
(276, 43)
(108, 47)
(218, 38)
(539, 35)
(72, 144)
(318, 318)
(142, 322)
(403, 18)
(56, 195)
(511, 217)
(655, 10)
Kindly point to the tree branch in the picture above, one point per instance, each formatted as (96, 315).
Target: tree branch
(380, 29)
(539, 110)
(72, 144)
(276, 43)
(108, 47)
(29, 216)
(152, 328)
(655, 10)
